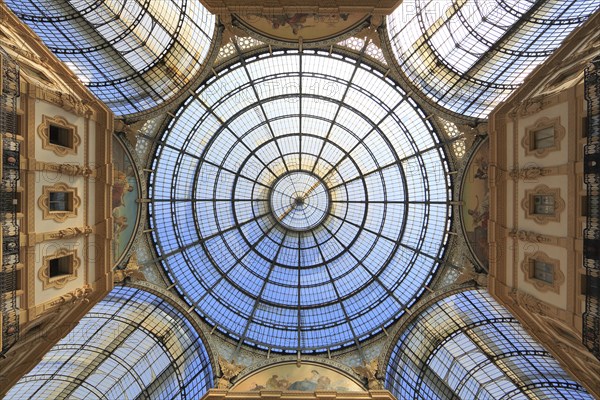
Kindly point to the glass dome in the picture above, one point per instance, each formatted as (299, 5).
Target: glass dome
(300, 201)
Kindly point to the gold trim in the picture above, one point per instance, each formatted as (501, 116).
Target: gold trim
(44, 133)
(528, 201)
(529, 138)
(58, 216)
(60, 281)
(527, 266)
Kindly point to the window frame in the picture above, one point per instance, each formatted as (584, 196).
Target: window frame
(528, 267)
(530, 139)
(529, 204)
(44, 131)
(59, 281)
(44, 202)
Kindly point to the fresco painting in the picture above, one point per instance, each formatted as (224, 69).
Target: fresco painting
(289, 27)
(476, 203)
(305, 378)
(125, 209)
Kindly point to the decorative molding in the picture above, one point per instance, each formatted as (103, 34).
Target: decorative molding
(527, 204)
(68, 233)
(229, 370)
(529, 173)
(530, 303)
(60, 281)
(58, 216)
(531, 237)
(43, 131)
(527, 266)
(528, 140)
(79, 295)
(67, 169)
(369, 372)
(528, 107)
(66, 101)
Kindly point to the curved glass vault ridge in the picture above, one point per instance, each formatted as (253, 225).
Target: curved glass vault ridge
(300, 201)
(470, 55)
(132, 344)
(132, 54)
(467, 346)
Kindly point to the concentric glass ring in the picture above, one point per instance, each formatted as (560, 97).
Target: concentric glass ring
(297, 210)
(300, 201)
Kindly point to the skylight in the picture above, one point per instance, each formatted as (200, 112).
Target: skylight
(300, 201)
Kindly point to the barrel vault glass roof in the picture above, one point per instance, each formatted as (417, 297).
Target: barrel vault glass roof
(300, 200)
(469, 55)
(131, 345)
(132, 54)
(467, 346)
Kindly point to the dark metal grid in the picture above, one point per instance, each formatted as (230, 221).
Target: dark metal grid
(133, 55)
(132, 344)
(481, 51)
(591, 253)
(8, 210)
(339, 282)
(468, 346)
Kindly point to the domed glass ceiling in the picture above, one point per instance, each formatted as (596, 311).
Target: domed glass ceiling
(300, 201)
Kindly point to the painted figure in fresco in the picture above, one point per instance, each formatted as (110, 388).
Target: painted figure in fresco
(120, 188)
(277, 384)
(308, 384)
(482, 168)
(296, 22)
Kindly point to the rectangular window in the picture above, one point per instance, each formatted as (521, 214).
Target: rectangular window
(61, 136)
(544, 138)
(543, 204)
(61, 201)
(60, 266)
(543, 271)
(20, 125)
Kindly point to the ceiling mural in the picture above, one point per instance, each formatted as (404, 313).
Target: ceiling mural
(304, 378)
(312, 27)
(476, 204)
(125, 208)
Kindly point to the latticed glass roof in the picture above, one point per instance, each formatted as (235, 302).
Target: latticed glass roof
(470, 55)
(467, 346)
(300, 201)
(132, 54)
(132, 344)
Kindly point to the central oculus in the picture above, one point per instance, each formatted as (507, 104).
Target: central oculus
(299, 201)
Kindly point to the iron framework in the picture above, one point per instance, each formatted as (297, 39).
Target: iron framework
(134, 55)
(8, 210)
(132, 344)
(468, 346)
(591, 254)
(468, 56)
(249, 265)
